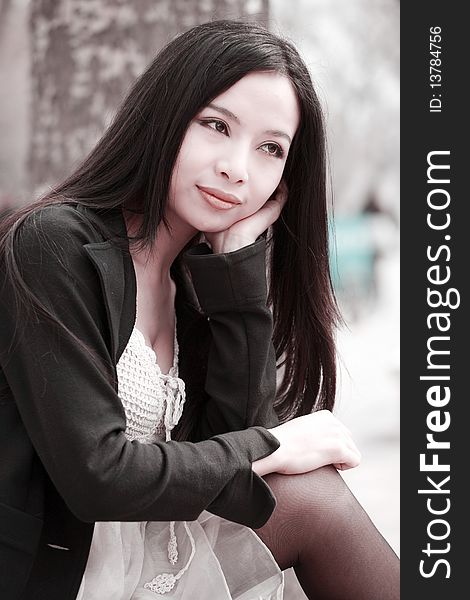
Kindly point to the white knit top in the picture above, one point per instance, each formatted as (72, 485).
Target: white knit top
(153, 403)
(145, 560)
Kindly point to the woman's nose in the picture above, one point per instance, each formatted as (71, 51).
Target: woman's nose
(235, 168)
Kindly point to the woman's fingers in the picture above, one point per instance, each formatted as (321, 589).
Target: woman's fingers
(276, 203)
(280, 195)
(269, 212)
(352, 457)
(247, 230)
(312, 441)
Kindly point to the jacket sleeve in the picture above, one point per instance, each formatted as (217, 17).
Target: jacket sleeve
(70, 408)
(241, 372)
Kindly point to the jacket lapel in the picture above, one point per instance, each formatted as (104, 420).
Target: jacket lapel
(116, 273)
(119, 298)
(118, 282)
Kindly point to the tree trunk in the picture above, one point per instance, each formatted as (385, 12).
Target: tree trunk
(85, 55)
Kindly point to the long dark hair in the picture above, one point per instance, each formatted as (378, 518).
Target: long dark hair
(131, 167)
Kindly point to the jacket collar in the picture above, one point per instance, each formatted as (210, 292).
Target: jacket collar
(113, 262)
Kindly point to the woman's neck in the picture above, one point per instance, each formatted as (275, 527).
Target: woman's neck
(155, 300)
(154, 263)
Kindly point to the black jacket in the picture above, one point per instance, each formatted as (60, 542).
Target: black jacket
(65, 461)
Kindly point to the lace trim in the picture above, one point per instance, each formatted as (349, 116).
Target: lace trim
(173, 412)
(173, 371)
(165, 582)
(173, 398)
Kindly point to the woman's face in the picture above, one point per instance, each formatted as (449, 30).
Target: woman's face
(234, 152)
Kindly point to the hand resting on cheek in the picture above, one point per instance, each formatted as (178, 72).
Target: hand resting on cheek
(244, 232)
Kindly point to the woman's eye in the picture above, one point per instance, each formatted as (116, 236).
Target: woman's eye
(273, 150)
(216, 125)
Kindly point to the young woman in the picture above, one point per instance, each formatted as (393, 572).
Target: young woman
(145, 450)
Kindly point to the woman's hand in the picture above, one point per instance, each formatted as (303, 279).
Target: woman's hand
(244, 232)
(310, 442)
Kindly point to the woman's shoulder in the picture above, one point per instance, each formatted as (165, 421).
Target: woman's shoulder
(58, 227)
(52, 239)
(57, 221)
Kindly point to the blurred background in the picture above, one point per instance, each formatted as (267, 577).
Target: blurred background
(65, 65)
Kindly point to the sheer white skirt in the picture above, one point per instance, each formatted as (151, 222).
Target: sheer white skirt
(230, 562)
(217, 559)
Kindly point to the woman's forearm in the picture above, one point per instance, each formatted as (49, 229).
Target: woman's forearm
(241, 366)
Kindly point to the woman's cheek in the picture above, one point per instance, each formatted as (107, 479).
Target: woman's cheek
(251, 209)
(268, 192)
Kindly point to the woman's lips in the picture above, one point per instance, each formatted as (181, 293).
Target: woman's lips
(216, 202)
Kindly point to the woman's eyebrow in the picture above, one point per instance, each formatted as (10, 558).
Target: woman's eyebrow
(229, 113)
(225, 112)
(278, 133)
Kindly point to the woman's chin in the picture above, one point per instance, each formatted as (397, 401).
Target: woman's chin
(210, 226)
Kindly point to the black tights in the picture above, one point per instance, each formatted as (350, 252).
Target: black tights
(320, 529)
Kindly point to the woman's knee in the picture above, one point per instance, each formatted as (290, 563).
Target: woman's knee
(308, 500)
(295, 493)
(304, 504)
